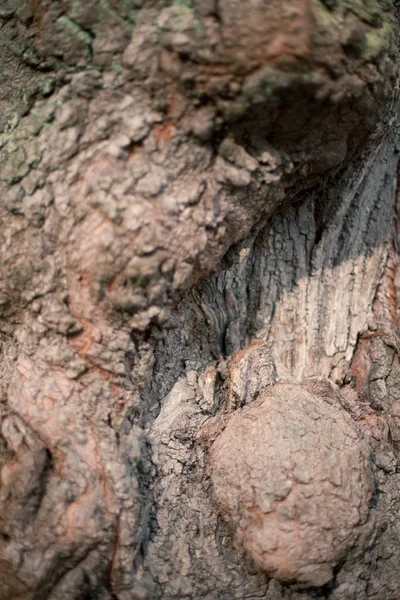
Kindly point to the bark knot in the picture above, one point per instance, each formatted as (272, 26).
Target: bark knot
(291, 472)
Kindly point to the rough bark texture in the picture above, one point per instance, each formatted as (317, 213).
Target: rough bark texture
(199, 212)
(292, 473)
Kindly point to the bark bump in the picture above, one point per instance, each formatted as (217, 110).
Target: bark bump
(291, 472)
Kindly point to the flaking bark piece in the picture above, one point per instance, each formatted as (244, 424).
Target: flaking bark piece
(291, 473)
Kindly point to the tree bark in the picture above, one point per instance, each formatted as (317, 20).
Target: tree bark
(199, 300)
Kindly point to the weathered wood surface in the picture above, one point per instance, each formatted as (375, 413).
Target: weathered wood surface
(197, 200)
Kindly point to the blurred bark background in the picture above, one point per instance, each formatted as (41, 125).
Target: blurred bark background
(199, 211)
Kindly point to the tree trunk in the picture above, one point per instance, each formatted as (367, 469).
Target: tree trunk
(199, 300)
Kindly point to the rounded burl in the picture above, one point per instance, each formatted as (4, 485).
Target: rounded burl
(292, 473)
